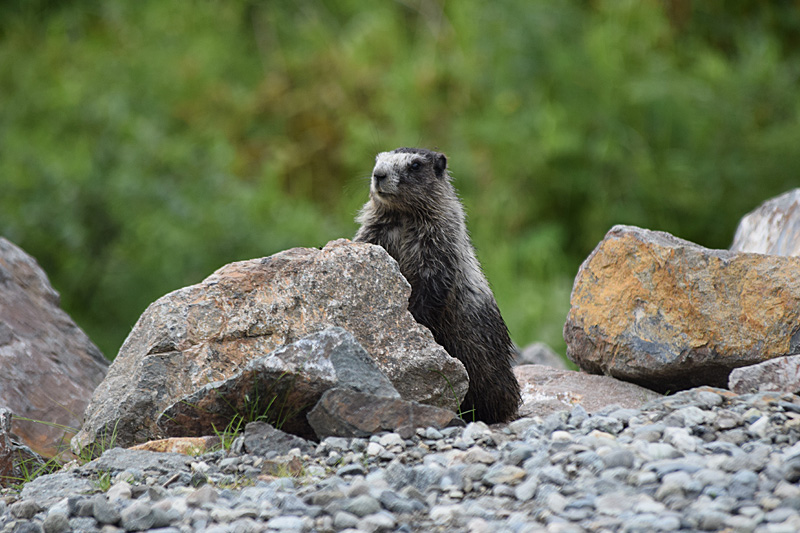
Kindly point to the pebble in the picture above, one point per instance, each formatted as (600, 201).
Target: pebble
(286, 523)
(699, 460)
(380, 521)
(24, 509)
(345, 520)
(503, 474)
(103, 511)
(362, 505)
(56, 523)
(137, 517)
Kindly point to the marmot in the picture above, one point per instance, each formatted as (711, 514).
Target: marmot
(415, 214)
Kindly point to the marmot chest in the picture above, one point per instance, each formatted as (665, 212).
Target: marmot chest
(418, 252)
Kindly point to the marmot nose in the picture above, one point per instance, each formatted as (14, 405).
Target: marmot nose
(379, 176)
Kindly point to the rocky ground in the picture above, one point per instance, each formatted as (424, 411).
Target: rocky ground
(700, 460)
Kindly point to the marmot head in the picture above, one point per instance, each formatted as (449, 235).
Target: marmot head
(408, 178)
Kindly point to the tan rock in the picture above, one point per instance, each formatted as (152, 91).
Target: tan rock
(668, 314)
(200, 335)
(49, 365)
(184, 445)
(546, 390)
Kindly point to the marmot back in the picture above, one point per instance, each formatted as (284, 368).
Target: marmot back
(416, 216)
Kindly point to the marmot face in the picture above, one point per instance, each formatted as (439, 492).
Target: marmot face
(404, 174)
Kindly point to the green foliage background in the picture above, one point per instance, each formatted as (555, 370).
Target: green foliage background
(145, 144)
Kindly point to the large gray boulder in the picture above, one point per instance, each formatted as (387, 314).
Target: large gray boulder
(781, 374)
(539, 353)
(773, 228)
(201, 335)
(668, 314)
(49, 365)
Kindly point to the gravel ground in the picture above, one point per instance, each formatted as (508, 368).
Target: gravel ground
(700, 460)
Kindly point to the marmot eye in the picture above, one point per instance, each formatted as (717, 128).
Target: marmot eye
(415, 165)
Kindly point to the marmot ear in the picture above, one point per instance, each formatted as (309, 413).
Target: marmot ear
(440, 164)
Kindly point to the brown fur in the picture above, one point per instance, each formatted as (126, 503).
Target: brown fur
(415, 214)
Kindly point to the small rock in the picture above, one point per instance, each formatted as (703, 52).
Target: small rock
(445, 514)
(381, 521)
(475, 471)
(362, 505)
(743, 485)
(264, 440)
(680, 439)
(344, 520)
(556, 502)
(503, 474)
(519, 454)
(103, 511)
(478, 454)
(760, 427)
(286, 523)
(28, 527)
(399, 504)
(56, 523)
(553, 474)
(325, 496)
(351, 470)
(707, 399)
(791, 470)
(137, 517)
(476, 431)
(741, 523)
(710, 520)
(662, 450)
(205, 494)
(619, 458)
(527, 489)
(478, 525)
(692, 416)
(390, 440)
(24, 509)
(605, 424)
(561, 437)
(433, 434)
(374, 449)
(577, 416)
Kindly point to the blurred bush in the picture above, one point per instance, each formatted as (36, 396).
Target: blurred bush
(145, 144)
